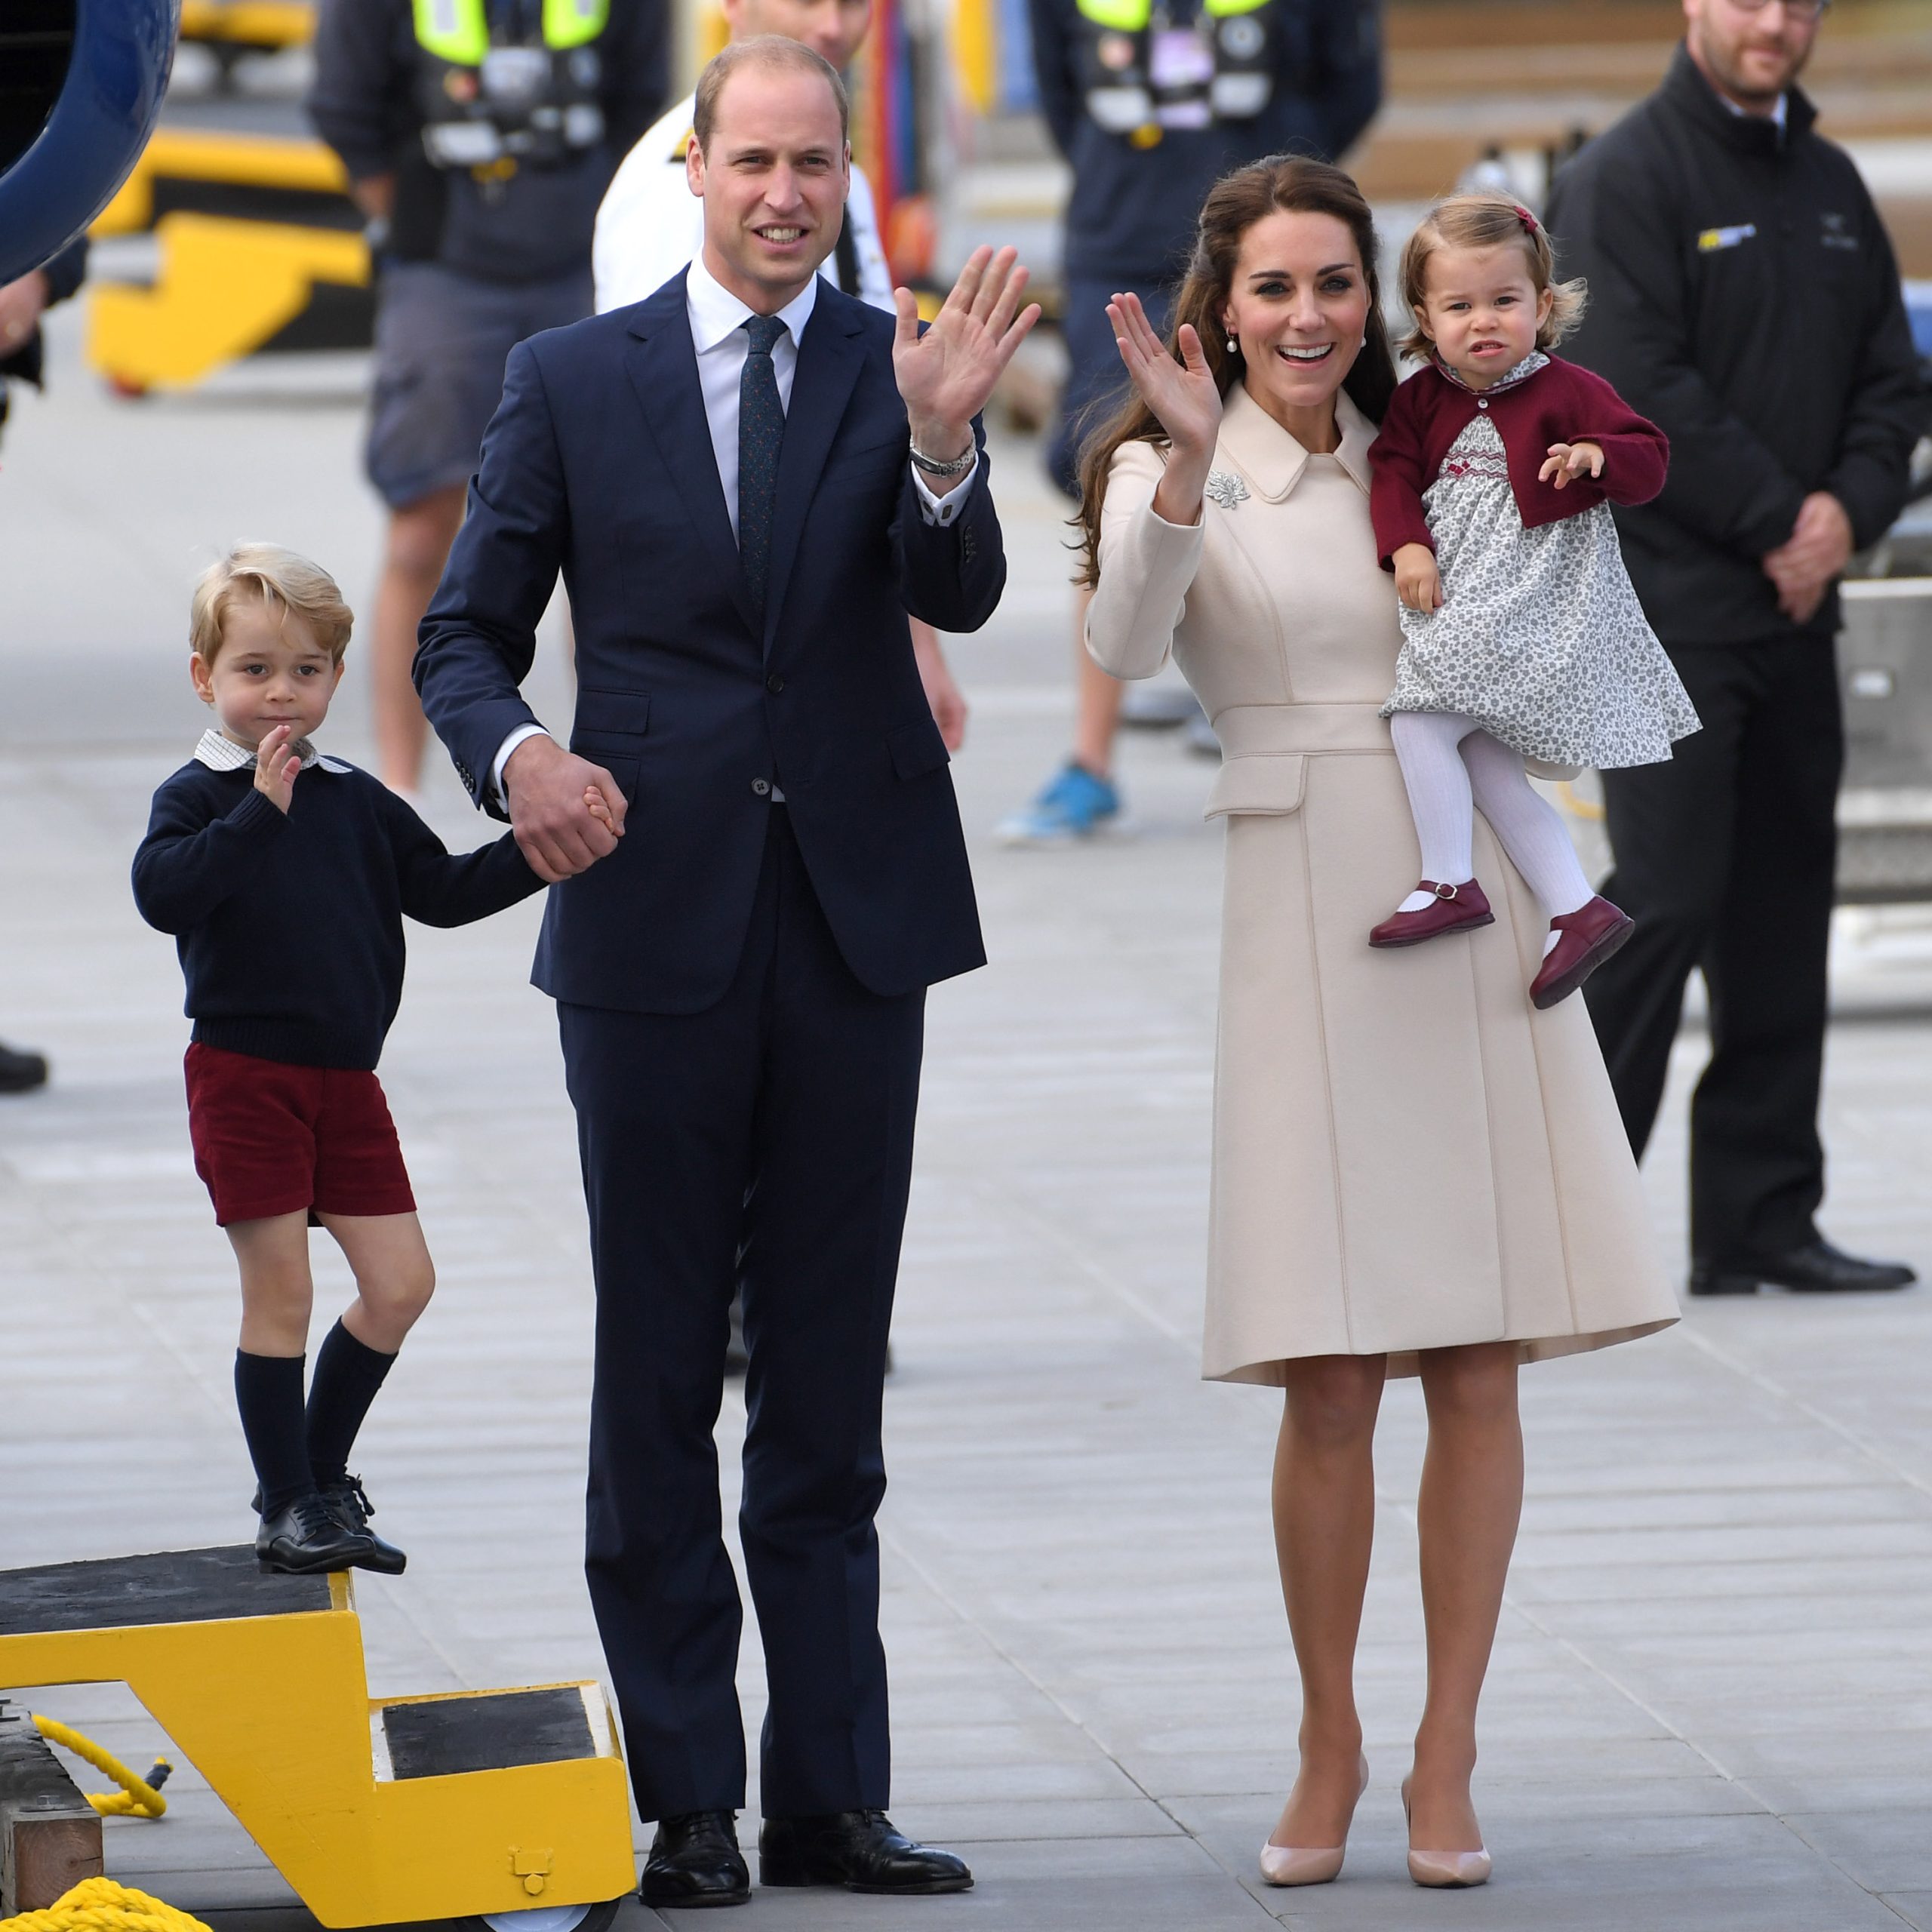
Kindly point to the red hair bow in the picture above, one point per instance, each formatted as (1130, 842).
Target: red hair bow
(1528, 220)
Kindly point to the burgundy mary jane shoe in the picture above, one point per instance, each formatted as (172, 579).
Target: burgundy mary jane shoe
(1585, 938)
(1458, 908)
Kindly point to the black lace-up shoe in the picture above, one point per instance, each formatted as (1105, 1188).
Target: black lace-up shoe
(695, 1861)
(348, 1502)
(1816, 1268)
(858, 1849)
(302, 1538)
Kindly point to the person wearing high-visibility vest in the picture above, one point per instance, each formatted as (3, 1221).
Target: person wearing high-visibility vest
(479, 136)
(1151, 102)
(650, 224)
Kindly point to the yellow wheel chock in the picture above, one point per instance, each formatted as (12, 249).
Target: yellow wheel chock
(509, 1805)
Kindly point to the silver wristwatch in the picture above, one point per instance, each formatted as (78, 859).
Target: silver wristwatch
(932, 466)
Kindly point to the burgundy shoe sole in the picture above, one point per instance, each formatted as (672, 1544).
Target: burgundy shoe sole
(1564, 984)
(1441, 932)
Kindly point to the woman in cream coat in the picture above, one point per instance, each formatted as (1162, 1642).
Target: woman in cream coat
(1415, 1172)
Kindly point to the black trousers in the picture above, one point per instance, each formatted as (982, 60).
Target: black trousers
(769, 1140)
(1725, 857)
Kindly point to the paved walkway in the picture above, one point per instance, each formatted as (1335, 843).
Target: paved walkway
(1712, 1700)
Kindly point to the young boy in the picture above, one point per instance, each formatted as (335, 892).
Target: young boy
(284, 876)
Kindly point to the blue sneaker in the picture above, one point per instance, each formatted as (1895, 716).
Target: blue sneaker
(1076, 804)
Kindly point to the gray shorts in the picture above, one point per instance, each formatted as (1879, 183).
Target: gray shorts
(442, 340)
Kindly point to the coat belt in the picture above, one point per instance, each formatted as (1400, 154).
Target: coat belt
(1248, 730)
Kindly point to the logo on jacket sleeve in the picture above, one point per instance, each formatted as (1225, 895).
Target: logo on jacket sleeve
(1712, 239)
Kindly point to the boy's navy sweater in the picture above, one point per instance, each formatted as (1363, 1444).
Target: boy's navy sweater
(289, 925)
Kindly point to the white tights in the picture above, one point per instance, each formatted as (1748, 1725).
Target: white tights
(1452, 769)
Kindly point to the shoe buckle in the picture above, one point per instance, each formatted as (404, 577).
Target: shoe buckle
(1446, 891)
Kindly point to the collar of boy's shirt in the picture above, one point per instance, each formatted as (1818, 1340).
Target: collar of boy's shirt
(220, 754)
(1521, 373)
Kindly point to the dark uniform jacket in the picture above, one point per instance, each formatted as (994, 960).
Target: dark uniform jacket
(1744, 296)
(533, 227)
(1131, 217)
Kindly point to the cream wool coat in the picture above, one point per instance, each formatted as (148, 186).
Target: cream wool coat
(1406, 1154)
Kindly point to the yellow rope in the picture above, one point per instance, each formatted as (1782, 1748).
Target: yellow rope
(99, 1905)
(136, 1797)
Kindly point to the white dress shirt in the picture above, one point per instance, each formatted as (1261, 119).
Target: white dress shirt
(717, 319)
(650, 224)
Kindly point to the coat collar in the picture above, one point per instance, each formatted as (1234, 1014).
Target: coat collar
(1694, 96)
(1271, 459)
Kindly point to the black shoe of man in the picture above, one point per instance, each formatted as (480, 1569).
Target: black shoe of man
(858, 1849)
(1817, 1268)
(695, 1861)
(21, 1072)
(301, 1538)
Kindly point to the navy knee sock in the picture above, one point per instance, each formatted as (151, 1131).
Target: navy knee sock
(268, 1391)
(347, 1374)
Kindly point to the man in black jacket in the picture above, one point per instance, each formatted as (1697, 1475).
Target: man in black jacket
(1743, 295)
(479, 137)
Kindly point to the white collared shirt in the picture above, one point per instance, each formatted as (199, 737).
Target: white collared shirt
(716, 317)
(220, 754)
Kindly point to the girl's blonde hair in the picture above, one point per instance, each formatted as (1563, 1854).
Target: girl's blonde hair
(268, 574)
(1484, 219)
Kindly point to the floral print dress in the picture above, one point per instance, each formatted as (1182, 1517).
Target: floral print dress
(1540, 638)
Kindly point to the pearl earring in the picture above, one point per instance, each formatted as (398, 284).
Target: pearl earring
(1234, 345)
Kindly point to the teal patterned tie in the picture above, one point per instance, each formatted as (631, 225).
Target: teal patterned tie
(761, 430)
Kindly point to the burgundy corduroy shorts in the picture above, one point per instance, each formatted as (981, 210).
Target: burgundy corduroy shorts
(272, 1139)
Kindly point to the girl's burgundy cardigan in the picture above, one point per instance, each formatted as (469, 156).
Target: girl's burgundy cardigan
(1560, 404)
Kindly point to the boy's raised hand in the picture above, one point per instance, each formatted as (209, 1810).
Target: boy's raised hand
(276, 767)
(1566, 462)
(1418, 582)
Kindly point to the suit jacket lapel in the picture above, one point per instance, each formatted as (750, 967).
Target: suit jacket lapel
(830, 357)
(661, 365)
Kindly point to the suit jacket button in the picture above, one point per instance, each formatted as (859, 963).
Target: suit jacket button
(762, 786)
(774, 683)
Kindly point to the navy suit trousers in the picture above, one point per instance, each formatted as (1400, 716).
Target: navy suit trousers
(767, 1138)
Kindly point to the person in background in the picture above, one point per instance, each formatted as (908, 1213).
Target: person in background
(479, 136)
(23, 301)
(1746, 299)
(650, 224)
(1151, 102)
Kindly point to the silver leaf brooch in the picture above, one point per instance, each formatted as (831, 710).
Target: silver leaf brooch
(1226, 488)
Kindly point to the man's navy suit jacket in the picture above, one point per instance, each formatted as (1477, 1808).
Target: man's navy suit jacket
(598, 463)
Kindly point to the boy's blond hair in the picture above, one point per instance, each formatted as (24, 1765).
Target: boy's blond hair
(1484, 219)
(267, 573)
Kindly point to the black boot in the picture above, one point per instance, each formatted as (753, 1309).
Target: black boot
(301, 1538)
(858, 1849)
(695, 1861)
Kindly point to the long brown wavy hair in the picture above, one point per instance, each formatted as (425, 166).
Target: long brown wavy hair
(1291, 184)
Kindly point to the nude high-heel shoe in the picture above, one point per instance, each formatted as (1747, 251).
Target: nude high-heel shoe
(1445, 1869)
(1301, 1865)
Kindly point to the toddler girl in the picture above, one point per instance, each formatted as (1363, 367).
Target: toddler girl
(1523, 638)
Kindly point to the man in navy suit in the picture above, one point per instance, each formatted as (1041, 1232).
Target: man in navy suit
(747, 481)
